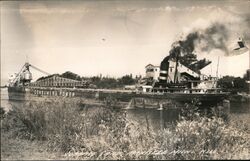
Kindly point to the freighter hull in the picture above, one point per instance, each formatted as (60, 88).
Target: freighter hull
(17, 93)
(28, 93)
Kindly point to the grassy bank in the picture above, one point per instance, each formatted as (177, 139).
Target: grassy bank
(106, 133)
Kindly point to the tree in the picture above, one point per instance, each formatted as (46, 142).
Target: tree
(233, 84)
(95, 79)
(108, 83)
(226, 82)
(239, 83)
(247, 75)
(127, 80)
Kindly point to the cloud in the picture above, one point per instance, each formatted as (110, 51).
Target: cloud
(40, 8)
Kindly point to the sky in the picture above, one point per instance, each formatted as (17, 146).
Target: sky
(114, 38)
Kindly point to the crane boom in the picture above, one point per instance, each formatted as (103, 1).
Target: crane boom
(39, 70)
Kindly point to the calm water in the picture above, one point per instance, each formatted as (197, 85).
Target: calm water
(156, 118)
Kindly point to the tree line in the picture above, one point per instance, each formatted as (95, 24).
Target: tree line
(235, 84)
(229, 83)
(100, 81)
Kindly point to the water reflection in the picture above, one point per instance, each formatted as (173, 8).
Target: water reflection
(236, 107)
(158, 119)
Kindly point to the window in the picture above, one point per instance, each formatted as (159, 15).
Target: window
(149, 70)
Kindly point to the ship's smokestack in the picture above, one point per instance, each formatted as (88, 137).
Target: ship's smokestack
(164, 70)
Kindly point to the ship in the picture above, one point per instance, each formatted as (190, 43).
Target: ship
(178, 78)
(174, 80)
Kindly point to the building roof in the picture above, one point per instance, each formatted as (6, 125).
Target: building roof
(151, 65)
(57, 76)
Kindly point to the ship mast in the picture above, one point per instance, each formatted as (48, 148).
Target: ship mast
(217, 67)
(176, 69)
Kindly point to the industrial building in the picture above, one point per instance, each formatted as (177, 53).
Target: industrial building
(57, 81)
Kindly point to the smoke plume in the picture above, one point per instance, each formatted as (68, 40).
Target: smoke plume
(213, 37)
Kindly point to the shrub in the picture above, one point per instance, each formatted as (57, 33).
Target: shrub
(106, 133)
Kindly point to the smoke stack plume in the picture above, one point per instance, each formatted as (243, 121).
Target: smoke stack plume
(213, 37)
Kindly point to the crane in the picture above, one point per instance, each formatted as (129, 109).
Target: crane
(39, 69)
(27, 75)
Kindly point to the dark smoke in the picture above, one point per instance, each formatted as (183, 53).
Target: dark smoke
(246, 31)
(213, 37)
(216, 37)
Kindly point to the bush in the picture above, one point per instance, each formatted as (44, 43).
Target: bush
(106, 133)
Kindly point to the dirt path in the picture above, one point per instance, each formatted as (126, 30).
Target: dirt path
(20, 149)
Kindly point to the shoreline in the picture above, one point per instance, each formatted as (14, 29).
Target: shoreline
(240, 98)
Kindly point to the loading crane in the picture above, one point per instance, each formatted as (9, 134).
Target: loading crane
(24, 76)
(39, 69)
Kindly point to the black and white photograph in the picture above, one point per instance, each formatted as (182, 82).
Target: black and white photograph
(125, 79)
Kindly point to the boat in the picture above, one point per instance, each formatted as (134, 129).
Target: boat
(174, 80)
(205, 91)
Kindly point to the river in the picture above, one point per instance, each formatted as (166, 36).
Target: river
(239, 112)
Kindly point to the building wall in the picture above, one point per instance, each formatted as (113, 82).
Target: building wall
(152, 72)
